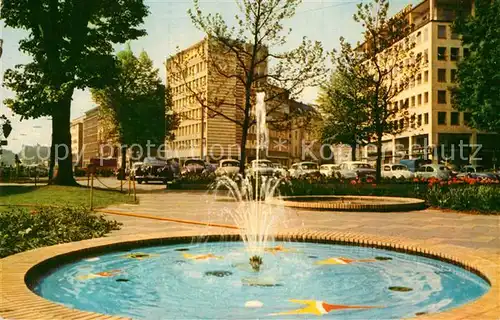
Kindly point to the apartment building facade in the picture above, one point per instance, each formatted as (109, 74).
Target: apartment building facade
(207, 133)
(437, 132)
(76, 131)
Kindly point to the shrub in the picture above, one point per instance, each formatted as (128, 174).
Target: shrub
(24, 229)
(80, 172)
(482, 198)
(197, 178)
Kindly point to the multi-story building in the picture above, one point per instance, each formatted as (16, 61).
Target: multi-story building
(91, 145)
(209, 134)
(440, 132)
(90, 135)
(76, 130)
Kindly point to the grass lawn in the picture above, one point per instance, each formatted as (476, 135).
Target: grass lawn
(59, 196)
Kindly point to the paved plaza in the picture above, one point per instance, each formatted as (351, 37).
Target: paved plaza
(478, 232)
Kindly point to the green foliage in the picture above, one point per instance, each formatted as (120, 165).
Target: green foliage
(478, 76)
(343, 106)
(197, 178)
(23, 229)
(71, 45)
(377, 67)
(482, 198)
(135, 106)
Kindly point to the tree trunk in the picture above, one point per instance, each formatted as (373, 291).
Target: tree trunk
(61, 140)
(123, 150)
(52, 157)
(353, 152)
(379, 156)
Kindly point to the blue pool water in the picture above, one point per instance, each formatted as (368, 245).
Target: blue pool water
(213, 281)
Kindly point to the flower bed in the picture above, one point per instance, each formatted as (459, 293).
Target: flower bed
(467, 194)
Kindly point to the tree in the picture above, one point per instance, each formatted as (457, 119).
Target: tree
(384, 65)
(344, 110)
(135, 107)
(478, 75)
(70, 42)
(238, 65)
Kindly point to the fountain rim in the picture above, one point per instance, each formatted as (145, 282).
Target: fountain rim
(20, 272)
(389, 204)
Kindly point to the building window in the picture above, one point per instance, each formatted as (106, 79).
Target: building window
(466, 52)
(419, 99)
(426, 76)
(454, 54)
(426, 56)
(426, 97)
(419, 78)
(442, 117)
(441, 53)
(442, 96)
(455, 118)
(413, 101)
(454, 35)
(441, 75)
(453, 75)
(442, 32)
(467, 118)
(419, 120)
(426, 118)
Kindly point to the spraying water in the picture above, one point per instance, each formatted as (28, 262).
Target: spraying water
(255, 216)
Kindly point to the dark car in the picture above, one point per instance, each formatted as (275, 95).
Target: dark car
(153, 170)
(193, 166)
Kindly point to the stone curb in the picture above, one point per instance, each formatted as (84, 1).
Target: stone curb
(18, 272)
(390, 204)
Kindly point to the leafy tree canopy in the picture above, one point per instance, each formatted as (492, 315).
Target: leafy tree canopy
(478, 76)
(135, 106)
(71, 45)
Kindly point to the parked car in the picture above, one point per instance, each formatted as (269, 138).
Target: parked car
(301, 169)
(433, 171)
(413, 164)
(356, 170)
(329, 170)
(153, 170)
(228, 167)
(280, 170)
(174, 165)
(476, 171)
(135, 167)
(193, 166)
(261, 167)
(396, 171)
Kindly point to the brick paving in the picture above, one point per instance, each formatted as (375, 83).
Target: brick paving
(469, 240)
(479, 232)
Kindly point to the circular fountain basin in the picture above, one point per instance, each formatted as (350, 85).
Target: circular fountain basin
(352, 203)
(297, 280)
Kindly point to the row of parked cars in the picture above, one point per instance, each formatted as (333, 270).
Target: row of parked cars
(355, 169)
(169, 170)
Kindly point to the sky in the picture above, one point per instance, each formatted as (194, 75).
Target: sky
(168, 26)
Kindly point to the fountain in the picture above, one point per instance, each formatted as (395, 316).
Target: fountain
(254, 215)
(213, 280)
